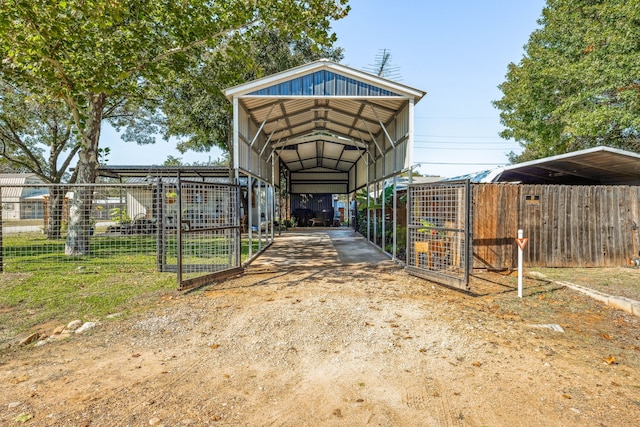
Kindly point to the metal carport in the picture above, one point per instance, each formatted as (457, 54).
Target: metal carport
(326, 127)
(592, 166)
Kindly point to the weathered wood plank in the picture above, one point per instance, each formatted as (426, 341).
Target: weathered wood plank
(567, 226)
(494, 225)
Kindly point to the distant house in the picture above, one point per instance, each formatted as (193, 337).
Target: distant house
(20, 198)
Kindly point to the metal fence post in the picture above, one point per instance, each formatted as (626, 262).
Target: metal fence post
(179, 230)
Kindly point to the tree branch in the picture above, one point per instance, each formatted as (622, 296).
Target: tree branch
(193, 44)
(3, 153)
(70, 102)
(67, 161)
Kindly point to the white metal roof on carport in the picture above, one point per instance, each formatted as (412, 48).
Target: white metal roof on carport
(592, 166)
(331, 126)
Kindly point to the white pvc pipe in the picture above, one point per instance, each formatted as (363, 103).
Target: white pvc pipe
(520, 235)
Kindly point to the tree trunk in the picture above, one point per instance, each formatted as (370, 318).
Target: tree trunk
(78, 236)
(55, 208)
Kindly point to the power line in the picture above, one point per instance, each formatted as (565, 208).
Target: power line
(463, 142)
(455, 118)
(456, 136)
(465, 148)
(463, 164)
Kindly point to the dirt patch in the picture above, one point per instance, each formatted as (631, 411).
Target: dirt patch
(354, 345)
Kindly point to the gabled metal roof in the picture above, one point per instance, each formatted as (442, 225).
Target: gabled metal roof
(322, 114)
(164, 171)
(598, 165)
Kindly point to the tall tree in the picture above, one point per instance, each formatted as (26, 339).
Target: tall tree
(195, 109)
(578, 83)
(94, 53)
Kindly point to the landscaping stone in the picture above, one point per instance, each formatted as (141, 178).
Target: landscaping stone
(30, 339)
(86, 327)
(72, 326)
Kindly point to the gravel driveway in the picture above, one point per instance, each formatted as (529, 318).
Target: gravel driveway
(311, 336)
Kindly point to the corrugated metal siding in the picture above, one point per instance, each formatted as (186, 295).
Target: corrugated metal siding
(402, 151)
(402, 123)
(323, 83)
(249, 157)
(276, 173)
(244, 160)
(139, 202)
(389, 163)
(357, 176)
(14, 193)
(11, 194)
(361, 172)
(21, 198)
(378, 171)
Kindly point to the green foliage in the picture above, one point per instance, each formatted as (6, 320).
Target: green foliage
(54, 288)
(577, 85)
(36, 134)
(429, 228)
(195, 109)
(119, 215)
(40, 286)
(110, 59)
(172, 161)
(376, 203)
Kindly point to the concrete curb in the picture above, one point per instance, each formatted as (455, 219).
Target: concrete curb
(620, 303)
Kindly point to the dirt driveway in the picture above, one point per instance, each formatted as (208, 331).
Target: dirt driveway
(308, 336)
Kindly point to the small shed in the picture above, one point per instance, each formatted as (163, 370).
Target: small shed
(580, 209)
(21, 197)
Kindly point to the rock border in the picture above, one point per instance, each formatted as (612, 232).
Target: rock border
(621, 303)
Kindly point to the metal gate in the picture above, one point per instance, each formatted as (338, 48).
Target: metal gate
(439, 232)
(208, 232)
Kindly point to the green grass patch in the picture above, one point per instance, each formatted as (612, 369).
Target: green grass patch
(39, 301)
(42, 288)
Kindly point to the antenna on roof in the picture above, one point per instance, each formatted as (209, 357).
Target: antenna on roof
(382, 66)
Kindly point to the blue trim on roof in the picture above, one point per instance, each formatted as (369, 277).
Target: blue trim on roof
(323, 83)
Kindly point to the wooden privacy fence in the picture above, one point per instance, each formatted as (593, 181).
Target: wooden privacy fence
(567, 226)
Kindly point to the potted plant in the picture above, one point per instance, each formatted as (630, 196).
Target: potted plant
(172, 197)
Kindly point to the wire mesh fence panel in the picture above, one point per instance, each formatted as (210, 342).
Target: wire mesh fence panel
(207, 252)
(66, 227)
(209, 234)
(438, 232)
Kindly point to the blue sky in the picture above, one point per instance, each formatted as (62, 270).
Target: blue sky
(456, 51)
